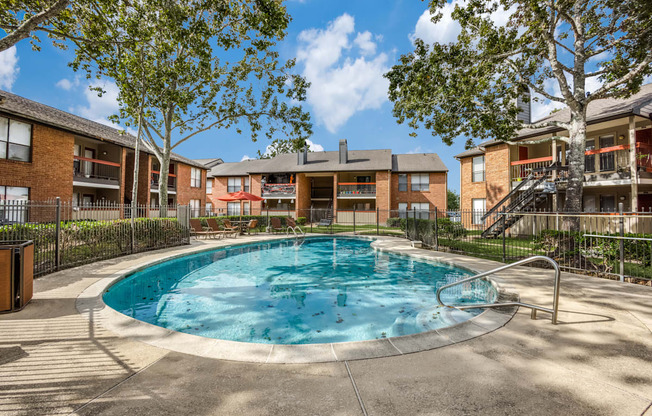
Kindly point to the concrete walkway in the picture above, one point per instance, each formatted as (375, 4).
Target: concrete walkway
(598, 360)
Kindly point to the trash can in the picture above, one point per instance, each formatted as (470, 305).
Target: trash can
(16, 274)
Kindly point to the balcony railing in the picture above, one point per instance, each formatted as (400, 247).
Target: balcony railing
(521, 169)
(356, 190)
(644, 156)
(279, 189)
(94, 170)
(607, 159)
(172, 181)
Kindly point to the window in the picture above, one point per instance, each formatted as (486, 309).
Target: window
(209, 208)
(233, 208)
(478, 169)
(607, 160)
(13, 204)
(15, 140)
(479, 206)
(421, 210)
(589, 160)
(607, 203)
(402, 206)
(194, 207)
(234, 185)
(209, 185)
(402, 184)
(195, 178)
(245, 208)
(420, 182)
(246, 185)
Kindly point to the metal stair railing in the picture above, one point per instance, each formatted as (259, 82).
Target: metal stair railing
(507, 197)
(535, 308)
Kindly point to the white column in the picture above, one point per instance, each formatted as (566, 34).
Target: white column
(633, 163)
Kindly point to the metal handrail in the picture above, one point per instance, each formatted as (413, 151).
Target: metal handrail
(555, 300)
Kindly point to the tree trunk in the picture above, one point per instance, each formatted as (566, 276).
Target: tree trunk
(163, 182)
(575, 162)
(134, 188)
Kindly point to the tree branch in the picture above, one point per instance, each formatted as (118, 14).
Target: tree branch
(30, 24)
(602, 92)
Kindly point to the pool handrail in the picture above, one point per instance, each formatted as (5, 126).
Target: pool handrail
(555, 301)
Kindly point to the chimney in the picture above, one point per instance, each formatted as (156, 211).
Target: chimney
(524, 104)
(302, 156)
(344, 152)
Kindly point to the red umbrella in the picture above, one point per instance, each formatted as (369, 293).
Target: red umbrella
(240, 196)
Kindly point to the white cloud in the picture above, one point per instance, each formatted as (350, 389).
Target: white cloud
(446, 29)
(8, 68)
(418, 149)
(341, 86)
(66, 84)
(246, 157)
(314, 147)
(99, 108)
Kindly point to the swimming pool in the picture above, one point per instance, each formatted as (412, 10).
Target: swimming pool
(327, 289)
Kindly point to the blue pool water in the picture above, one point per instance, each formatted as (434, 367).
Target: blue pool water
(324, 290)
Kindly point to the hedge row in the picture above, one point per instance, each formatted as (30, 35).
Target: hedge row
(262, 220)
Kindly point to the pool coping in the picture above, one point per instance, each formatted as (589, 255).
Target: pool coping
(92, 307)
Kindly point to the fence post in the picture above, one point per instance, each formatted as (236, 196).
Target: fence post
(436, 229)
(414, 219)
(622, 242)
(354, 220)
(57, 240)
(377, 221)
(312, 218)
(503, 227)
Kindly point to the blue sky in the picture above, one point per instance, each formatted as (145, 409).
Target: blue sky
(343, 48)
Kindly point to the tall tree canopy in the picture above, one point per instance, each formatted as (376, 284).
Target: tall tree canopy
(469, 87)
(203, 64)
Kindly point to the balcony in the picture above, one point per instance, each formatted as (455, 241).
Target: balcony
(644, 157)
(279, 190)
(96, 173)
(521, 169)
(172, 182)
(356, 190)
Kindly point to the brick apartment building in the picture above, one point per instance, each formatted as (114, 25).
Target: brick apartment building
(339, 182)
(47, 153)
(618, 167)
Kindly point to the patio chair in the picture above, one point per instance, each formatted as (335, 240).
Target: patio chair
(212, 222)
(229, 227)
(292, 225)
(325, 222)
(251, 225)
(196, 229)
(275, 225)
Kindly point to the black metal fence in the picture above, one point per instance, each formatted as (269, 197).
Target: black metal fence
(67, 235)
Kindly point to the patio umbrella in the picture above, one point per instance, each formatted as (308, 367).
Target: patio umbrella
(240, 196)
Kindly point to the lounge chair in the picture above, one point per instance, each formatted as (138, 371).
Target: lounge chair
(324, 222)
(196, 229)
(275, 225)
(212, 222)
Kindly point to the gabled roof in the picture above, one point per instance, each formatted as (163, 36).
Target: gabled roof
(358, 160)
(19, 106)
(598, 111)
(418, 162)
(209, 163)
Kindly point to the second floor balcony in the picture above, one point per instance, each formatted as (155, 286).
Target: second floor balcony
(95, 171)
(154, 180)
(356, 190)
(279, 190)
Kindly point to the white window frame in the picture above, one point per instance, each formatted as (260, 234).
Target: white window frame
(195, 207)
(476, 212)
(209, 208)
(402, 209)
(18, 211)
(420, 182)
(246, 208)
(233, 208)
(246, 184)
(403, 183)
(209, 185)
(195, 178)
(6, 139)
(478, 169)
(234, 185)
(422, 210)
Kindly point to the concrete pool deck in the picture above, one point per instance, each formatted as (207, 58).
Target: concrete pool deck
(598, 360)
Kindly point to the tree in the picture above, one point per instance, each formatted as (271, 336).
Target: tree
(20, 19)
(207, 64)
(280, 146)
(469, 87)
(452, 200)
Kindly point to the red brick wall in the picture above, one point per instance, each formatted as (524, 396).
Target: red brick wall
(255, 189)
(435, 196)
(303, 199)
(49, 174)
(184, 191)
(497, 173)
(383, 189)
